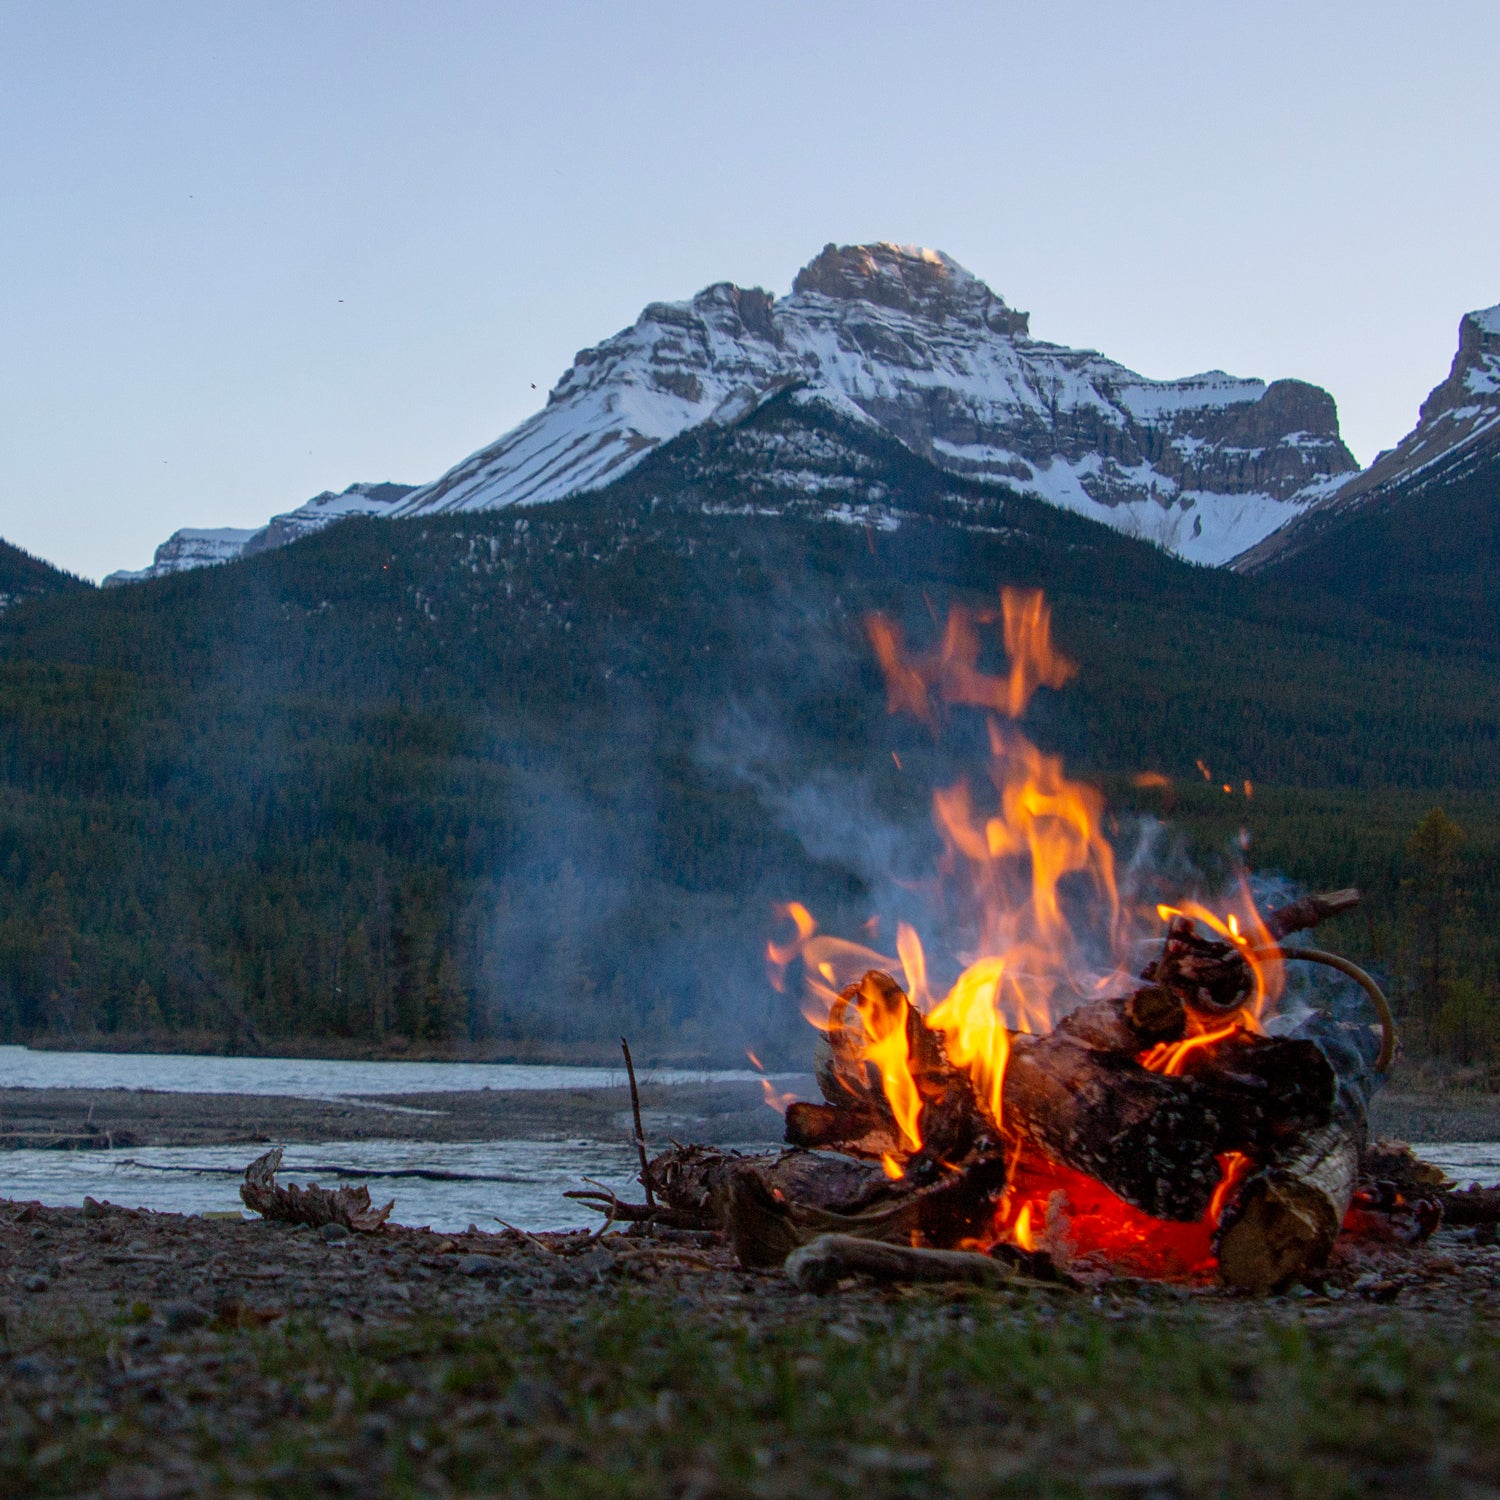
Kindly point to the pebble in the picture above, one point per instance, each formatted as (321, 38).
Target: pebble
(480, 1265)
(35, 1284)
(332, 1233)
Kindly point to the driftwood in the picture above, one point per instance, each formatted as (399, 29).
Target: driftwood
(348, 1206)
(821, 1264)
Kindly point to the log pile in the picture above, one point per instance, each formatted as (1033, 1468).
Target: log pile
(1151, 1094)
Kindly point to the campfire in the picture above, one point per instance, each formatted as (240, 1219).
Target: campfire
(1098, 1081)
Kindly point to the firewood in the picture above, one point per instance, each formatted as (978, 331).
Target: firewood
(769, 1210)
(1472, 1206)
(822, 1263)
(1149, 1138)
(858, 1128)
(1151, 1015)
(1309, 911)
(1283, 1221)
(857, 1116)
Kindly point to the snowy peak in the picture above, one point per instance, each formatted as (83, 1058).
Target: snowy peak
(907, 279)
(1458, 426)
(909, 340)
(196, 547)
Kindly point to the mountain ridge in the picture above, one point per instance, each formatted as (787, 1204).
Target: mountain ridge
(908, 340)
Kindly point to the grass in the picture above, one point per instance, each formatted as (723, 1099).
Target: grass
(648, 1395)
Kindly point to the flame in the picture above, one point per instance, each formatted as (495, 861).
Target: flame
(1250, 935)
(1021, 1229)
(1020, 865)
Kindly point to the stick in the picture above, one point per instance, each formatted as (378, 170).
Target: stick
(640, 1134)
(822, 1264)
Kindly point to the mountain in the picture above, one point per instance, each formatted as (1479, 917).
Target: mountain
(536, 777)
(23, 576)
(196, 547)
(1416, 536)
(911, 343)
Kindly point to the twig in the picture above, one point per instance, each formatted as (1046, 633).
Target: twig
(524, 1235)
(640, 1134)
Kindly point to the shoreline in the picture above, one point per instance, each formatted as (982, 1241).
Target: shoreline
(710, 1113)
(84, 1119)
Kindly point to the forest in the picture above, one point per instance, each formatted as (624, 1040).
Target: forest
(512, 784)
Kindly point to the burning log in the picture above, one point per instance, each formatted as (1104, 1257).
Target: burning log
(1149, 1138)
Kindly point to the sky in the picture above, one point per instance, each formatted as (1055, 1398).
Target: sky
(253, 252)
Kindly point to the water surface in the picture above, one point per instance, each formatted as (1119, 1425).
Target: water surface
(313, 1078)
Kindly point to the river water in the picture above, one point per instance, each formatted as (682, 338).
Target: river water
(312, 1078)
(517, 1182)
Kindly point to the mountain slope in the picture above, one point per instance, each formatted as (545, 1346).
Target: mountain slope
(538, 776)
(1416, 536)
(912, 342)
(23, 576)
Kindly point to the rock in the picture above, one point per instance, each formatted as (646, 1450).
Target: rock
(181, 1315)
(332, 1233)
(480, 1265)
(35, 1284)
(93, 1209)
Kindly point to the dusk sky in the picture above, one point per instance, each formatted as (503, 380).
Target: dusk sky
(252, 252)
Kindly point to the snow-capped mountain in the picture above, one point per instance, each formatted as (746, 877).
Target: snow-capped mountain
(195, 547)
(909, 340)
(1458, 428)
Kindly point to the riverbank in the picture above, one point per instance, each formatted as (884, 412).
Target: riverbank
(154, 1355)
(712, 1113)
(715, 1113)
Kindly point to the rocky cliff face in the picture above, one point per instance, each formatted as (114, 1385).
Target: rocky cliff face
(909, 340)
(1458, 428)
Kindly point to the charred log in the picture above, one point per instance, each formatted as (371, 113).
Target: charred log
(1208, 975)
(858, 1128)
(1149, 1138)
(1144, 1019)
(1309, 911)
(1267, 1090)
(771, 1208)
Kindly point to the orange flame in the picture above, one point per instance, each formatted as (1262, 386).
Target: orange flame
(1015, 872)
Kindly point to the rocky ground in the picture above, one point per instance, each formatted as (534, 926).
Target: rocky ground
(155, 1355)
(158, 1355)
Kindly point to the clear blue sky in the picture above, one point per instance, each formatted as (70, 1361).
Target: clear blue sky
(253, 251)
